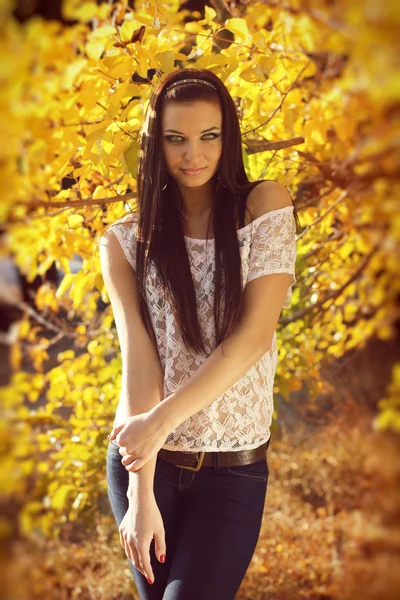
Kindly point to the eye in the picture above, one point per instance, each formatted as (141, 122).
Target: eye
(170, 138)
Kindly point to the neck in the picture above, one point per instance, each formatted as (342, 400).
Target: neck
(197, 201)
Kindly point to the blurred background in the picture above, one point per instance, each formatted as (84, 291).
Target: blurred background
(317, 90)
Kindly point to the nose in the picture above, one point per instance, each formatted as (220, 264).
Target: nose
(192, 152)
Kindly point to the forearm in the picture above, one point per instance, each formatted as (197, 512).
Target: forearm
(140, 392)
(214, 377)
(142, 388)
(141, 482)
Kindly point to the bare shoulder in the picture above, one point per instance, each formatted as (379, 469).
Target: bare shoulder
(111, 255)
(267, 196)
(109, 239)
(114, 245)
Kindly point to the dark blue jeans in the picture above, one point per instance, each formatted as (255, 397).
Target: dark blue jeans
(212, 520)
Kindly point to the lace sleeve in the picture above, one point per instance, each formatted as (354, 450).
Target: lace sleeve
(125, 232)
(273, 247)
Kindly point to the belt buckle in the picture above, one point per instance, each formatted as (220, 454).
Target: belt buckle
(197, 467)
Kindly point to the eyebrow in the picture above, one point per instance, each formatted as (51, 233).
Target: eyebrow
(205, 130)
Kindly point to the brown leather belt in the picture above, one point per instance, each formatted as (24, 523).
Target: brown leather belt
(195, 460)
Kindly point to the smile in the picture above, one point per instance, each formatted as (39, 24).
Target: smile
(193, 171)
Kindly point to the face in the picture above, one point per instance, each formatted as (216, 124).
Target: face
(188, 145)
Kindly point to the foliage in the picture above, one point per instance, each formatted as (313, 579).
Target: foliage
(330, 529)
(389, 416)
(321, 78)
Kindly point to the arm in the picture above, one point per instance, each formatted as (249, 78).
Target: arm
(142, 385)
(272, 255)
(234, 356)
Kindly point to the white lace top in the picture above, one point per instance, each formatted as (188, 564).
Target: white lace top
(240, 418)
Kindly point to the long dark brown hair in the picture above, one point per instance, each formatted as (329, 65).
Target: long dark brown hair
(160, 234)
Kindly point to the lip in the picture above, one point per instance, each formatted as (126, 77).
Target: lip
(193, 171)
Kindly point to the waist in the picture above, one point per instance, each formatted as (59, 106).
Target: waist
(194, 461)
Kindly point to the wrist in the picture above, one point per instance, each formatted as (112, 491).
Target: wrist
(141, 483)
(163, 416)
(138, 490)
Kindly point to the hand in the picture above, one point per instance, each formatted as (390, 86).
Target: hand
(139, 438)
(141, 523)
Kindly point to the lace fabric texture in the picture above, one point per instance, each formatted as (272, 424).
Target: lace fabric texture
(241, 417)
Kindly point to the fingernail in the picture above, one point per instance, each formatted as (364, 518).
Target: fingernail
(162, 558)
(109, 435)
(149, 580)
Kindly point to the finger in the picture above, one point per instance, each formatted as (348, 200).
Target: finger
(144, 559)
(128, 459)
(135, 466)
(120, 435)
(132, 555)
(125, 546)
(115, 431)
(136, 562)
(160, 548)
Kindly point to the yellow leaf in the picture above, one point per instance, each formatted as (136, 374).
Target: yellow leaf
(127, 29)
(107, 146)
(45, 265)
(15, 357)
(193, 27)
(103, 32)
(209, 13)
(60, 498)
(346, 249)
(253, 74)
(99, 192)
(64, 264)
(165, 60)
(24, 327)
(98, 283)
(130, 157)
(312, 131)
(92, 347)
(120, 67)
(142, 67)
(82, 11)
(94, 50)
(75, 220)
(71, 73)
(238, 27)
(268, 63)
(79, 411)
(146, 19)
(278, 73)
(65, 284)
(66, 355)
(32, 396)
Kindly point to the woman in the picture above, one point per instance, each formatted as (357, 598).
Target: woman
(186, 463)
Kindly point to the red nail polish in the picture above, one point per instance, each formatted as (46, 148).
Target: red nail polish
(149, 580)
(162, 558)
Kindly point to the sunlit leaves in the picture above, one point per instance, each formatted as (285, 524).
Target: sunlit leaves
(389, 417)
(71, 110)
(239, 28)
